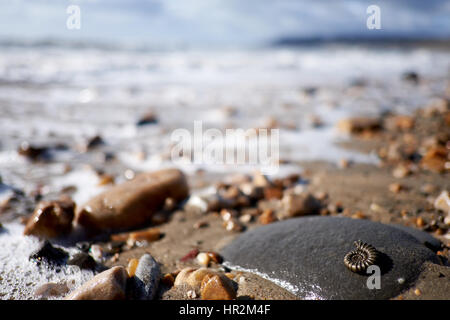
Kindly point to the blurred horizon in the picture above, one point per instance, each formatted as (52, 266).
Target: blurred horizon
(213, 23)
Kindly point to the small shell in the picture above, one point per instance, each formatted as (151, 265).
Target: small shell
(360, 259)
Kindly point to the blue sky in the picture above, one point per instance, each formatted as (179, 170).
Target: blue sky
(214, 22)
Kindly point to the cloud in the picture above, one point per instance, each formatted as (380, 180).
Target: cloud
(218, 21)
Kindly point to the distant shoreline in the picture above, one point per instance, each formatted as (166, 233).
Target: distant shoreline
(283, 42)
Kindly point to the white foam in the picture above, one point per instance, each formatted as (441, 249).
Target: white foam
(20, 277)
(86, 182)
(305, 291)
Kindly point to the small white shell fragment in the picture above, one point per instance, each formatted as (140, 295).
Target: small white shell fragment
(191, 294)
(442, 202)
(203, 259)
(97, 253)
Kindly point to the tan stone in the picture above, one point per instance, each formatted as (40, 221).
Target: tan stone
(108, 285)
(132, 203)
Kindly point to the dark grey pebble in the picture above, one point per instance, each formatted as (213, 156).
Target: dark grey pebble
(425, 238)
(146, 278)
(49, 254)
(82, 260)
(306, 254)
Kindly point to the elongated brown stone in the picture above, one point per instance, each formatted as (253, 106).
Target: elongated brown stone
(132, 203)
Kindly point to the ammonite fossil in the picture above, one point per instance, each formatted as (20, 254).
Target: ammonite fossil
(360, 259)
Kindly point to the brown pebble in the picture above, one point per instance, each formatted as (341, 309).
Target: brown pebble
(359, 125)
(168, 279)
(400, 171)
(105, 179)
(395, 187)
(149, 235)
(215, 257)
(344, 163)
(131, 268)
(358, 215)
(51, 218)
(420, 222)
(273, 193)
(233, 225)
(217, 287)
(31, 152)
(417, 292)
(434, 160)
(268, 216)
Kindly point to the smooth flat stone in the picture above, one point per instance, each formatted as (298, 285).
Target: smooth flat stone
(108, 285)
(306, 256)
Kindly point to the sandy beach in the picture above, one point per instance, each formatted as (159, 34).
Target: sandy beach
(373, 147)
(239, 151)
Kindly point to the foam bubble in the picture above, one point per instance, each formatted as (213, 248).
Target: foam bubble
(20, 277)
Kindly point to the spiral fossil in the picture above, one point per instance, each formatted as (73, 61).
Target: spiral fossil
(361, 258)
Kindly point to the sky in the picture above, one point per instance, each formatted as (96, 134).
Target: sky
(214, 22)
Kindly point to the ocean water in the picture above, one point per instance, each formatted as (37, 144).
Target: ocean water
(65, 94)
